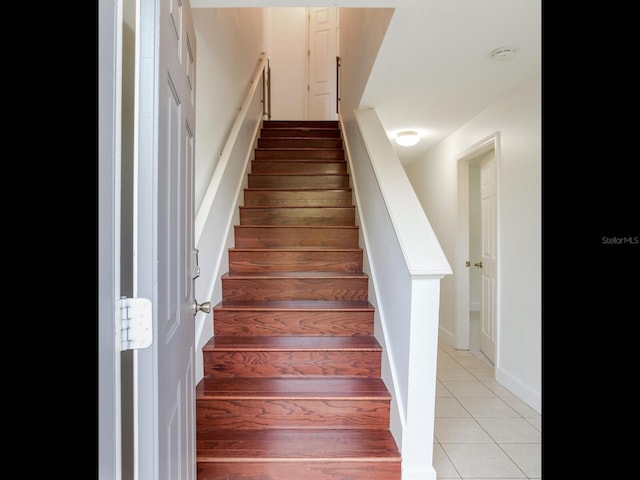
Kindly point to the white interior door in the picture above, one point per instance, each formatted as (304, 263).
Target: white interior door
(164, 372)
(323, 49)
(488, 202)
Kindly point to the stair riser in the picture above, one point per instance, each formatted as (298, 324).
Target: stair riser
(301, 124)
(291, 413)
(300, 142)
(298, 198)
(269, 289)
(300, 470)
(292, 167)
(257, 180)
(268, 323)
(298, 153)
(258, 237)
(338, 216)
(292, 261)
(226, 364)
(299, 133)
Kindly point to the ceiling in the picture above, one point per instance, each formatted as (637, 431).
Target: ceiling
(434, 71)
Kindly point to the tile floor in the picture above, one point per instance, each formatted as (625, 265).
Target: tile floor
(482, 430)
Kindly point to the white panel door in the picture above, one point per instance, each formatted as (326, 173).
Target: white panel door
(323, 49)
(488, 214)
(164, 372)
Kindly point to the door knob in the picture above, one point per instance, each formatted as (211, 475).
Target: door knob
(201, 307)
(478, 265)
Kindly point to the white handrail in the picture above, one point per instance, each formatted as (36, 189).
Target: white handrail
(207, 200)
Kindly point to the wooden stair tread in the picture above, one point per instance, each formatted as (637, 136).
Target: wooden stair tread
(362, 388)
(266, 207)
(293, 249)
(312, 227)
(362, 343)
(298, 174)
(215, 445)
(297, 189)
(304, 149)
(306, 274)
(298, 305)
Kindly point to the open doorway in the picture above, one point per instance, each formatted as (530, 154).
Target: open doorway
(476, 285)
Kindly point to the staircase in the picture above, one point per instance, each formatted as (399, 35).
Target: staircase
(292, 387)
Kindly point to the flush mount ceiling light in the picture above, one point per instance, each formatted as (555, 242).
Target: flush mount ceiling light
(503, 54)
(407, 138)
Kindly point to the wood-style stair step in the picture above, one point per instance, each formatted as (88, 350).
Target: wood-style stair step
(298, 180)
(267, 215)
(272, 286)
(295, 259)
(267, 236)
(300, 142)
(295, 454)
(298, 153)
(277, 356)
(298, 132)
(333, 318)
(301, 124)
(271, 197)
(255, 403)
(299, 166)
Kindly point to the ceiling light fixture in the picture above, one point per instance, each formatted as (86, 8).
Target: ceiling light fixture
(407, 138)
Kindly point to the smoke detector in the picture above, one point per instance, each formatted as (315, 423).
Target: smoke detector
(503, 54)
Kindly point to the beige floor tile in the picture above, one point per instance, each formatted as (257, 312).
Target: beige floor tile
(468, 389)
(536, 422)
(471, 362)
(487, 407)
(498, 389)
(528, 456)
(522, 408)
(442, 465)
(441, 390)
(456, 374)
(482, 461)
(448, 363)
(510, 430)
(460, 430)
(450, 407)
(482, 373)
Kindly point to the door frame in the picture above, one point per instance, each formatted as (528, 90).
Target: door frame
(462, 330)
(109, 101)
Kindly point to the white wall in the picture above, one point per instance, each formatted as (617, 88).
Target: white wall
(361, 33)
(286, 43)
(230, 42)
(517, 117)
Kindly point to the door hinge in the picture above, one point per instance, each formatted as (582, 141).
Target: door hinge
(135, 323)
